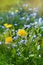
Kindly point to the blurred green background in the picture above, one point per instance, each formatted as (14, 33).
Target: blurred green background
(6, 5)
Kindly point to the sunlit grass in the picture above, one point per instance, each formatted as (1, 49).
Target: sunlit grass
(7, 4)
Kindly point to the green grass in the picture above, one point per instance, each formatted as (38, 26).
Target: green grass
(5, 5)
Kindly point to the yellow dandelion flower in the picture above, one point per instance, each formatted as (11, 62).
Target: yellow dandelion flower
(7, 25)
(8, 40)
(22, 32)
(16, 10)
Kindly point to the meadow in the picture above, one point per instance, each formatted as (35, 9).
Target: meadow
(21, 36)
